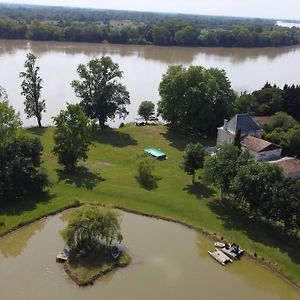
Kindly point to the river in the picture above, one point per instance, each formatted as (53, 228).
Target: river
(171, 263)
(143, 66)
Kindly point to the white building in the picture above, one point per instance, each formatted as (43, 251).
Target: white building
(244, 122)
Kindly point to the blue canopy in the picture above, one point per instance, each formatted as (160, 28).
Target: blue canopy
(155, 153)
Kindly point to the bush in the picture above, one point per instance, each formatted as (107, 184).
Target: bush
(145, 168)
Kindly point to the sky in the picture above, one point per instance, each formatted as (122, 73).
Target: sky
(275, 9)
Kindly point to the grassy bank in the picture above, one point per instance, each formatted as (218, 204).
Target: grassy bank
(109, 177)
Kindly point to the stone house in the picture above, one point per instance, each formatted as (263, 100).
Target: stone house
(244, 122)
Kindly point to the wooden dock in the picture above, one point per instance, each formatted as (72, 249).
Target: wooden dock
(220, 257)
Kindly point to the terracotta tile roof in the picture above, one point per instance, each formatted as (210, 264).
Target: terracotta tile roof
(257, 144)
(262, 120)
(289, 165)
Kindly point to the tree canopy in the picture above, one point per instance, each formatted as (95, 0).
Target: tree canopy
(20, 171)
(193, 159)
(73, 135)
(221, 169)
(31, 89)
(146, 110)
(9, 120)
(91, 227)
(102, 95)
(196, 98)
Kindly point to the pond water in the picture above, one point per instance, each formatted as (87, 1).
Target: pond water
(143, 66)
(171, 263)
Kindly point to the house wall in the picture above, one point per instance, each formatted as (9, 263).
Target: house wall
(224, 136)
(264, 155)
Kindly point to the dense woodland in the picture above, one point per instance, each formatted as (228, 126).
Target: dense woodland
(124, 27)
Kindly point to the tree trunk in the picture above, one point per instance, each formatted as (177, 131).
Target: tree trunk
(39, 122)
(193, 180)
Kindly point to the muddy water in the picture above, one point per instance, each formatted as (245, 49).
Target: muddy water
(143, 66)
(173, 263)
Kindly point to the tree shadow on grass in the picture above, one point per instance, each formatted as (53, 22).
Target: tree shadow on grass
(19, 206)
(80, 177)
(179, 140)
(257, 229)
(37, 130)
(114, 138)
(176, 139)
(199, 190)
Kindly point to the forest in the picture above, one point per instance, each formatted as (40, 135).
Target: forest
(125, 27)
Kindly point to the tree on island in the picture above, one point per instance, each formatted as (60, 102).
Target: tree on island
(193, 159)
(9, 120)
(91, 227)
(146, 110)
(195, 99)
(102, 95)
(73, 135)
(31, 89)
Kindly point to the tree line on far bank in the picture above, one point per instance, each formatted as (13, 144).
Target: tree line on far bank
(165, 33)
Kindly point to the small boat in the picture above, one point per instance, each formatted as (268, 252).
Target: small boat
(219, 244)
(232, 250)
(63, 255)
(115, 252)
(220, 257)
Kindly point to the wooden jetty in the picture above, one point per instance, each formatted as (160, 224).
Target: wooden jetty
(220, 257)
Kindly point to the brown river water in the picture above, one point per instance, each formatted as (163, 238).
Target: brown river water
(171, 263)
(143, 66)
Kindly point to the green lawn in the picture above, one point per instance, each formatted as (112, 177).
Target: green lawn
(109, 177)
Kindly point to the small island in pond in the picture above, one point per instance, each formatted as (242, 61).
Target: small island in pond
(91, 235)
(85, 269)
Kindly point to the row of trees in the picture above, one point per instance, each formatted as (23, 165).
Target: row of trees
(260, 188)
(284, 131)
(269, 100)
(165, 33)
(20, 157)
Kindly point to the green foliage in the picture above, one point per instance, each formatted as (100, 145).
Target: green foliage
(293, 137)
(20, 172)
(220, 170)
(280, 120)
(9, 120)
(263, 189)
(31, 89)
(146, 110)
(253, 185)
(102, 96)
(65, 24)
(193, 159)
(237, 139)
(92, 227)
(145, 168)
(196, 98)
(73, 135)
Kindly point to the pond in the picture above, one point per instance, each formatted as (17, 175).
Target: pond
(170, 262)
